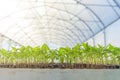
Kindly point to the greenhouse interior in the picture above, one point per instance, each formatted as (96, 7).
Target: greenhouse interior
(59, 39)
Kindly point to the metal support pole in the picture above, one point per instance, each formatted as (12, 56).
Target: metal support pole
(104, 33)
(93, 39)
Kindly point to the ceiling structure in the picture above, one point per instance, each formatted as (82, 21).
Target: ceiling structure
(56, 22)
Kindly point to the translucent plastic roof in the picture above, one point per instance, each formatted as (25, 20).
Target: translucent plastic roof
(58, 22)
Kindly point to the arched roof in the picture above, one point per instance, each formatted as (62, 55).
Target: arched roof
(58, 22)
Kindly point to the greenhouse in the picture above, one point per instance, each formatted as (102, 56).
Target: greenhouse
(59, 39)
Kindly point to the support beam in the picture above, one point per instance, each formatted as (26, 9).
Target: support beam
(2, 35)
(104, 33)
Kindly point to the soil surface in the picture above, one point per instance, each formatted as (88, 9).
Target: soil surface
(60, 66)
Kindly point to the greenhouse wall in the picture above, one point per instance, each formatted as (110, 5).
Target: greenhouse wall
(59, 74)
(111, 36)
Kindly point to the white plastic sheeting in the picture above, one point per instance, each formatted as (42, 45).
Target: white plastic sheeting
(55, 22)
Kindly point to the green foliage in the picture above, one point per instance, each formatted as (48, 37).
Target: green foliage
(80, 53)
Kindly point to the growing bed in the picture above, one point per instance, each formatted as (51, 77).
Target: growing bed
(81, 62)
(80, 56)
(59, 74)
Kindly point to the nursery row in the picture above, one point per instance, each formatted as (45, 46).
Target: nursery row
(80, 53)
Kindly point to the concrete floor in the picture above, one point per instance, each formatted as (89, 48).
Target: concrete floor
(59, 74)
